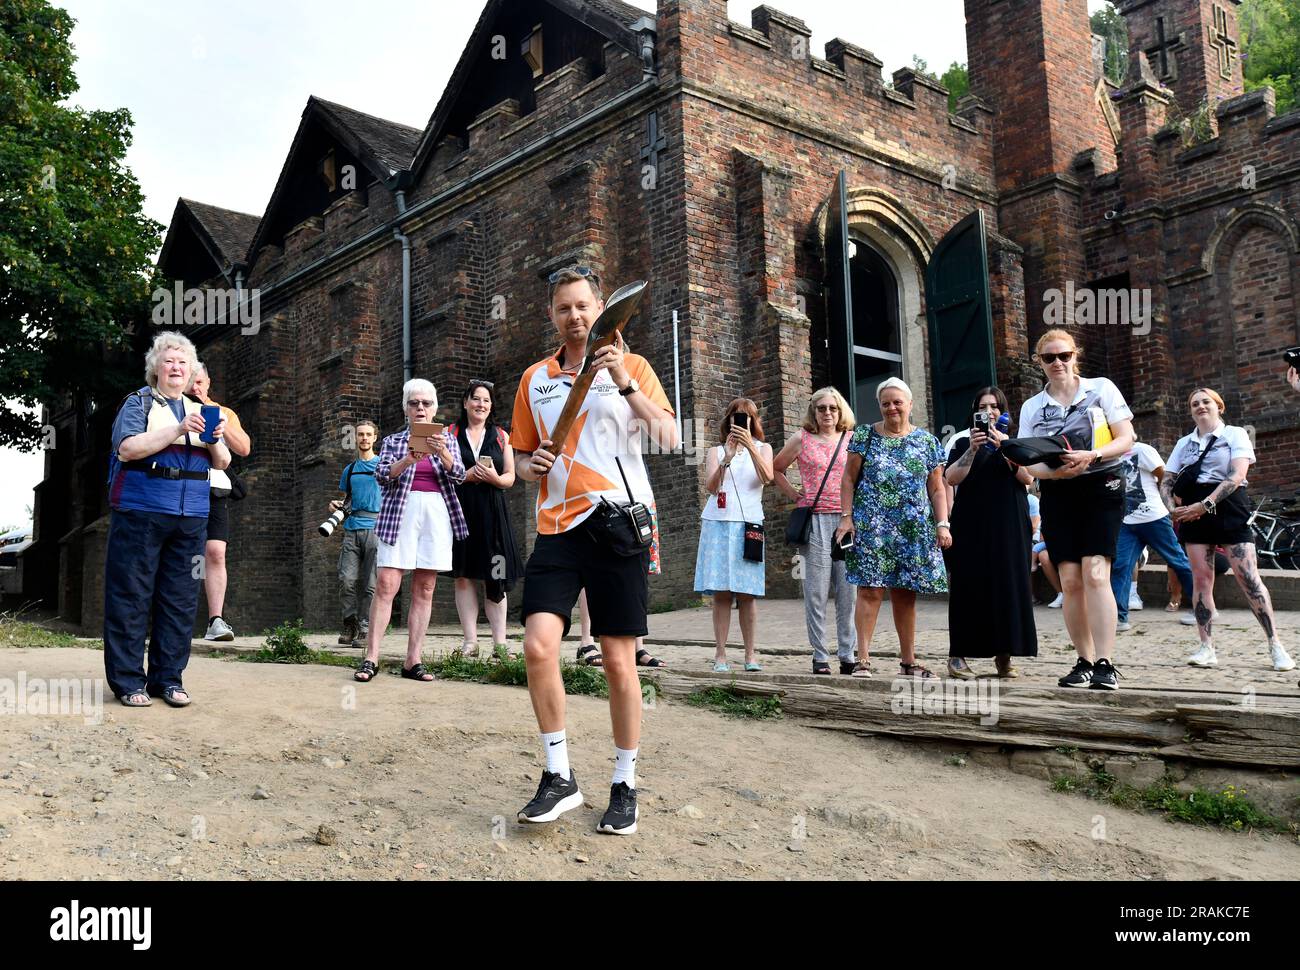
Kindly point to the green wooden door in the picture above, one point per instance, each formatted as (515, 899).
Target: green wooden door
(961, 323)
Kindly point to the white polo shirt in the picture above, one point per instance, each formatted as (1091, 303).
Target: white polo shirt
(1086, 422)
(1231, 442)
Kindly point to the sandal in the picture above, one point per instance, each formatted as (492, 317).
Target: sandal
(753, 668)
(648, 661)
(136, 699)
(468, 650)
(862, 670)
(169, 694)
(589, 656)
(367, 672)
(419, 672)
(916, 670)
(721, 667)
(821, 668)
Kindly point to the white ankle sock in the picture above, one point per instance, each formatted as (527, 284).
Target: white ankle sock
(556, 746)
(625, 767)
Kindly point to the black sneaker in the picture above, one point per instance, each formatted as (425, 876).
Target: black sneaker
(1080, 676)
(848, 668)
(621, 817)
(1104, 676)
(555, 796)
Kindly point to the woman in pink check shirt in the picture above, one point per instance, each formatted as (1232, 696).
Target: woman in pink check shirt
(418, 520)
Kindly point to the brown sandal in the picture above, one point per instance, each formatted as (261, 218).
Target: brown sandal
(916, 670)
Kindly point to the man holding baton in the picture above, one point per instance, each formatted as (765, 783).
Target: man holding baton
(573, 476)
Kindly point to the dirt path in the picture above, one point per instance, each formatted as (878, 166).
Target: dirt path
(424, 781)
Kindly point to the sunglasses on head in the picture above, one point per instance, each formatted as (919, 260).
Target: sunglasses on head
(474, 385)
(584, 271)
(1064, 357)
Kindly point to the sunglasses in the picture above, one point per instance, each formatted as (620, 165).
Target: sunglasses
(828, 407)
(416, 403)
(1064, 357)
(584, 271)
(474, 385)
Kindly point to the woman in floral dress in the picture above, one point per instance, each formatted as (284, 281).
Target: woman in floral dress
(893, 482)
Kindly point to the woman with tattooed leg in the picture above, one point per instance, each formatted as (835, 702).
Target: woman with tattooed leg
(1205, 490)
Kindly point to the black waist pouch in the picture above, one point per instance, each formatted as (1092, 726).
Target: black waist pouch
(622, 529)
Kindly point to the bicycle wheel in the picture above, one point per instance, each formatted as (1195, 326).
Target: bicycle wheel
(1286, 547)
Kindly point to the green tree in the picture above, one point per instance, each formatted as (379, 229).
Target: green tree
(956, 79)
(1270, 44)
(1109, 24)
(75, 246)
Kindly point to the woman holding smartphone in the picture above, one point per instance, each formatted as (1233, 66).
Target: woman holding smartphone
(737, 471)
(988, 563)
(419, 519)
(488, 557)
(1082, 500)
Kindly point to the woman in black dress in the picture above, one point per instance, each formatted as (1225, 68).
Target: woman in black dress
(990, 603)
(489, 554)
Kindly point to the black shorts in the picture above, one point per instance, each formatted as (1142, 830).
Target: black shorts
(618, 587)
(1082, 516)
(218, 519)
(1227, 525)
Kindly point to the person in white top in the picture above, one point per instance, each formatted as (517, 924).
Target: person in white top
(1209, 504)
(1082, 500)
(1146, 523)
(730, 558)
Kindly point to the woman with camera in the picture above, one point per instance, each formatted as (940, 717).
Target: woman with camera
(893, 483)
(988, 562)
(820, 448)
(730, 559)
(418, 521)
(489, 556)
(1205, 488)
(1082, 498)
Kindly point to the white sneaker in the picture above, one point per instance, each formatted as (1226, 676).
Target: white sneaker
(1281, 659)
(1134, 600)
(1123, 626)
(219, 629)
(1203, 657)
(1057, 603)
(1189, 618)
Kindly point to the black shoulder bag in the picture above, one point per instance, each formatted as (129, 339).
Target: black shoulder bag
(1185, 486)
(623, 529)
(797, 532)
(754, 535)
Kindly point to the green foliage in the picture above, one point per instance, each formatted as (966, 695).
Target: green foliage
(513, 671)
(18, 633)
(957, 80)
(728, 702)
(1109, 24)
(1193, 127)
(1270, 44)
(285, 645)
(75, 246)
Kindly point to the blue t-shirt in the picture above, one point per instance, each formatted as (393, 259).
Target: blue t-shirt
(1033, 507)
(365, 494)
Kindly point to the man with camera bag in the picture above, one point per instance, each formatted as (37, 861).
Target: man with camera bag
(357, 558)
(592, 532)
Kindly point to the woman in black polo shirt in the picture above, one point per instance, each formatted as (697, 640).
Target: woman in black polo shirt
(1209, 504)
(1082, 500)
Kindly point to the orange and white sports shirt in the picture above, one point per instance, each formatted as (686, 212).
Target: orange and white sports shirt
(606, 428)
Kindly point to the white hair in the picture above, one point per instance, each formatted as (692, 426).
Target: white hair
(200, 369)
(892, 382)
(163, 342)
(421, 385)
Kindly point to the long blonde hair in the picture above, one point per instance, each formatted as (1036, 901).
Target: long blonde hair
(846, 420)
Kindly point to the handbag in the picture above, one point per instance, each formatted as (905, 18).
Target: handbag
(1185, 486)
(625, 530)
(754, 534)
(797, 532)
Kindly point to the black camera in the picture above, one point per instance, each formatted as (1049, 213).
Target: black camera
(1292, 357)
(334, 521)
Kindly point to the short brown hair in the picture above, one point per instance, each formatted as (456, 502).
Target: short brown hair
(750, 408)
(569, 275)
(367, 423)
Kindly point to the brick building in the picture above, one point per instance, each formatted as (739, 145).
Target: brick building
(801, 220)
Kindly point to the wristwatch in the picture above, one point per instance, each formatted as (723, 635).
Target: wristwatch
(1209, 505)
(632, 388)
(943, 525)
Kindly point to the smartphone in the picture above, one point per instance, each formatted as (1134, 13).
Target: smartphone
(839, 549)
(1292, 357)
(486, 462)
(211, 418)
(740, 420)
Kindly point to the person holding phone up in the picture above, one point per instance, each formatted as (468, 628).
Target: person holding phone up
(419, 519)
(158, 490)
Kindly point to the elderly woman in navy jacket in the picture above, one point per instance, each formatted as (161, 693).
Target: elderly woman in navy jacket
(158, 491)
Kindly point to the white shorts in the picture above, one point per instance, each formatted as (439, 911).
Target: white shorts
(424, 536)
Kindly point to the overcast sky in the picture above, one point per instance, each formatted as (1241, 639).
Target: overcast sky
(217, 89)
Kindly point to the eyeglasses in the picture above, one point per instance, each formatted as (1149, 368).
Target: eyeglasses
(828, 407)
(584, 271)
(1064, 357)
(421, 404)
